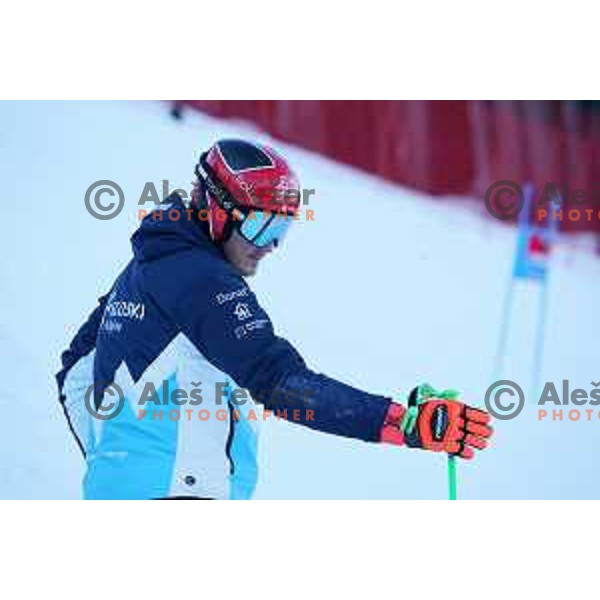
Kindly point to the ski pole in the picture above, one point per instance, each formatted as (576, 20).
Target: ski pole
(426, 392)
(451, 477)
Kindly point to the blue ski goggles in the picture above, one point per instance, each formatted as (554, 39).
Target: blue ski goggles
(262, 228)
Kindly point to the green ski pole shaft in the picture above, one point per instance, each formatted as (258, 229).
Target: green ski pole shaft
(425, 392)
(451, 477)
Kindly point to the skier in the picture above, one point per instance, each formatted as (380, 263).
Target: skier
(181, 318)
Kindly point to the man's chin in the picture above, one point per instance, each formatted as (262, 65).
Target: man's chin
(248, 270)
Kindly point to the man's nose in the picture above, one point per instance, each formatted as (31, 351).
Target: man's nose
(267, 249)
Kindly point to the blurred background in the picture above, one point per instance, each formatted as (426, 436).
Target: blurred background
(403, 277)
(440, 147)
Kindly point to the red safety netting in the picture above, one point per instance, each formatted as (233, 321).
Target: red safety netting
(445, 147)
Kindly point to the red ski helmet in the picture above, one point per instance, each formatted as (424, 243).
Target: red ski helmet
(248, 186)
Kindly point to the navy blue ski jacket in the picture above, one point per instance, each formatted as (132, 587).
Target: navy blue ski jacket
(180, 317)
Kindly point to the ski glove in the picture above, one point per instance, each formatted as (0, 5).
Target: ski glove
(437, 421)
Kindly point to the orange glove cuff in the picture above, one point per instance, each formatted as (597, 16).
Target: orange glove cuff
(391, 432)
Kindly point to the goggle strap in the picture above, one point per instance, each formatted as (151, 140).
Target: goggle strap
(215, 187)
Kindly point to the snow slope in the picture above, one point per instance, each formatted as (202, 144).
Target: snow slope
(385, 289)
